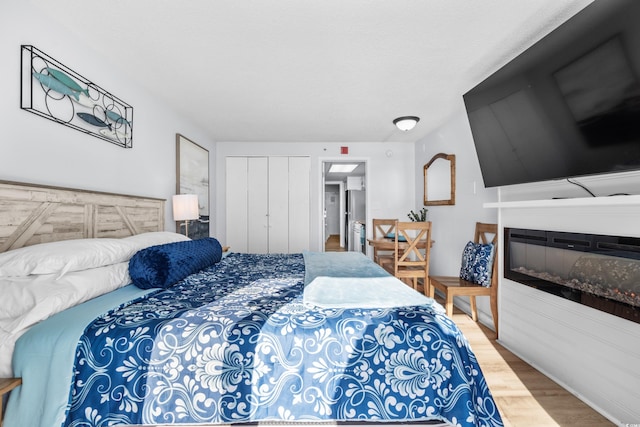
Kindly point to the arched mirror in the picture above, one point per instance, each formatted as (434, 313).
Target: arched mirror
(440, 180)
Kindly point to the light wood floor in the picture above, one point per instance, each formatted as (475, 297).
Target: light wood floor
(333, 244)
(524, 396)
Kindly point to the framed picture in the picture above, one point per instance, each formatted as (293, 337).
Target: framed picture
(192, 177)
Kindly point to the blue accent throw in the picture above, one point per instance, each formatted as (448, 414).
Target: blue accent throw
(162, 266)
(477, 263)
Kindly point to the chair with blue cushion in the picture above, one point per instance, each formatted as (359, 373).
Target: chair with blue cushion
(478, 274)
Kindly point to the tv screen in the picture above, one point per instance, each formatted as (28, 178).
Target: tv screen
(568, 106)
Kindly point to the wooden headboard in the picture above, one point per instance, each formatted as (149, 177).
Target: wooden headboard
(31, 214)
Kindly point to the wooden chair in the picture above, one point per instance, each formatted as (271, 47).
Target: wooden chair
(453, 286)
(412, 252)
(381, 228)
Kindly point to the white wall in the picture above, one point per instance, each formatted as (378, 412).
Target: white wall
(390, 177)
(453, 226)
(36, 150)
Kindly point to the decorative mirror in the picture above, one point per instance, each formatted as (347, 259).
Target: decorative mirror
(440, 180)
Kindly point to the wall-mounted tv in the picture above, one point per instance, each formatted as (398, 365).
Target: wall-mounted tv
(568, 106)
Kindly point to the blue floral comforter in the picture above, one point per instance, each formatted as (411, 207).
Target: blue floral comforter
(234, 343)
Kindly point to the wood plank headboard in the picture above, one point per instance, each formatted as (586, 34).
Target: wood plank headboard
(31, 214)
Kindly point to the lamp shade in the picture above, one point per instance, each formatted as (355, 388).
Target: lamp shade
(185, 207)
(406, 123)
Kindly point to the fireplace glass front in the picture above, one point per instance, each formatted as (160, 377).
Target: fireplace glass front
(602, 272)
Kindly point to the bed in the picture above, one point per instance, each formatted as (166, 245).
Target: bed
(189, 336)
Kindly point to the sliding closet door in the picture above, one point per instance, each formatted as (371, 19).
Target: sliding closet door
(268, 204)
(258, 205)
(279, 204)
(289, 204)
(236, 204)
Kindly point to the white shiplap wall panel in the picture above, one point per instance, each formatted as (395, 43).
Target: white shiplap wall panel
(593, 354)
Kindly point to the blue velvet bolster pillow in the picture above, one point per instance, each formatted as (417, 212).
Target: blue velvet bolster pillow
(162, 266)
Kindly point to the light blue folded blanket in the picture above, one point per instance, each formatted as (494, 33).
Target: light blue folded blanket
(340, 264)
(352, 280)
(358, 292)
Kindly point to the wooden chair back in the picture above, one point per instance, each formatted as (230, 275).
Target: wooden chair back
(382, 228)
(485, 234)
(455, 286)
(412, 251)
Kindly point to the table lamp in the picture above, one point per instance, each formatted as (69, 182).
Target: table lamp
(185, 208)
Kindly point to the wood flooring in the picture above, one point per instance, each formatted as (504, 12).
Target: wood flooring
(333, 244)
(524, 396)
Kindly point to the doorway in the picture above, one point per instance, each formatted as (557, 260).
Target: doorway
(344, 205)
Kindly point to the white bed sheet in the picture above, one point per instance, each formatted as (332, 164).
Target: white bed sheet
(28, 300)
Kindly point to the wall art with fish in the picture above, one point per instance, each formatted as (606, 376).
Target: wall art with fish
(54, 91)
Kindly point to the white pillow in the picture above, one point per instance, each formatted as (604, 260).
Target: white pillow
(65, 256)
(40, 296)
(28, 300)
(153, 238)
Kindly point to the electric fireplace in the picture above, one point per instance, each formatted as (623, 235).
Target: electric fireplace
(599, 271)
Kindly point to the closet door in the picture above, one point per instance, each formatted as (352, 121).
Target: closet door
(258, 205)
(279, 181)
(268, 204)
(236, 204)
(299, 203)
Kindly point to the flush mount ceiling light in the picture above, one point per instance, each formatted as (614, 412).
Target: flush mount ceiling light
(406, 123)
(342, 168)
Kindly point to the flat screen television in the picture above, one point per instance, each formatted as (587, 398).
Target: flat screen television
(568, 106)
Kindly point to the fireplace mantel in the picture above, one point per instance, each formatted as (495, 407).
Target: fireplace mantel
(594, 354)
(632, 200)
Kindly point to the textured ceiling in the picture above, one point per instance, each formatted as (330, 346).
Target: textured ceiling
(305, 71)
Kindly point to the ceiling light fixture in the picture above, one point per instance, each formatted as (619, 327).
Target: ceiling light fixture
(406, 123)
(342, 168)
